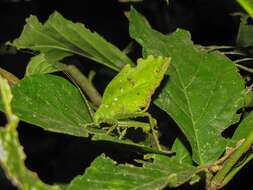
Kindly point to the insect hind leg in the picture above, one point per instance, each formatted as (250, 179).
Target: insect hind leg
(150, 128)
(154, 131)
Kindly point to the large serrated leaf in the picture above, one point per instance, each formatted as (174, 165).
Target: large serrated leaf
(52, 103)
(105, 174)
(131, 90)
(59, 38)
(12, 156)
(203, 92)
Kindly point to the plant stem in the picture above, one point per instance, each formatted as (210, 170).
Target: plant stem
(234, 171)
(137, 124)
(12, 79)
(218, 180)
(85, 84)
(243, 60)
(244, 68)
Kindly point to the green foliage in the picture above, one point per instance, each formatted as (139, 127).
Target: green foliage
(12, 156)
(200, 89)
(247, 5)
(182, 153)
(243, 131)
(105, 174)
(240, 156)
(52, 103)
(40, 65)
(204, 90)
(12, 79)
(244, 37)
(59, 38)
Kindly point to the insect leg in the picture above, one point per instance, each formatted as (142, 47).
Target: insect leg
(151, 128)
(122, 134)
(112, 128)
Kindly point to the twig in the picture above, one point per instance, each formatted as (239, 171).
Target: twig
(244, 68)
(84, 84)
(243, 60)
(218, 180)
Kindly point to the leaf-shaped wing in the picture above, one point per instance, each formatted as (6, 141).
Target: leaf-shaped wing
(131, 90)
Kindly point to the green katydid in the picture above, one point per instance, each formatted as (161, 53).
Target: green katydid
(129, 94)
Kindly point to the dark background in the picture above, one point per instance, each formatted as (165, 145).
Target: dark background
(58, 158)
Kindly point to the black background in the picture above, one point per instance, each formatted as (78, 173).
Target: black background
(58, 158)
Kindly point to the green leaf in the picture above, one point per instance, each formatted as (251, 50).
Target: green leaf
(203, 92)
(247, 5)
(244, 129)
(245, 34)
(182, 154)
(40, 65)
(52, 103)
(131, 90)
(105, 174)
(242, 133)
(59, 38)
(249, 99)
(12, 156)
(12, 160)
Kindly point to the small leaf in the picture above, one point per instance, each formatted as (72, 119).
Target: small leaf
(203, 92)
(245, 35)
(40, 65)
(182, 154)
(244, 129)
(242, 133)
(59, 38)
(52, 103)
(105, 174)
(249, 99)
(12, 156)
(247, 5)
(131, 90)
